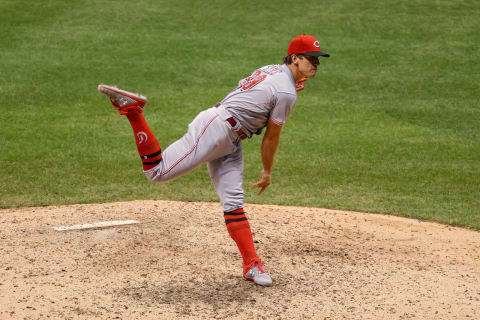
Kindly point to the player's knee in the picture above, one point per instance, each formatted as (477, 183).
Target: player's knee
(155, 176)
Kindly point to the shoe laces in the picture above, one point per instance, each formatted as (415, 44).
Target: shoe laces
(257, 263)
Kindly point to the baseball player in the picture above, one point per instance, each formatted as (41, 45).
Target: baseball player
(262, 100)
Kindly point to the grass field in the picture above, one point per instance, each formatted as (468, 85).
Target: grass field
(390, 124)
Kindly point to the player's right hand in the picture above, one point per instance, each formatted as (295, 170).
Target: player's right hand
(263, 183)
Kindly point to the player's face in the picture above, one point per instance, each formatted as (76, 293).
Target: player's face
(307, 65)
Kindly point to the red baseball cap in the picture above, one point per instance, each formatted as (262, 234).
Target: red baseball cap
(307, 45)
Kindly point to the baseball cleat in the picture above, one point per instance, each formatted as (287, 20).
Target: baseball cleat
(122, 100)
(257, 274)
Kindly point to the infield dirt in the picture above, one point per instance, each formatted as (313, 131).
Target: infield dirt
(179, 262)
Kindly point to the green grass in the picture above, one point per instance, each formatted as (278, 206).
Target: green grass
(390, 124)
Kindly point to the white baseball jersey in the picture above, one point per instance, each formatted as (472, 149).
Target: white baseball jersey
(269, 93)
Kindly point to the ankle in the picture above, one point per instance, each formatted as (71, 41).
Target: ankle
(133, 115)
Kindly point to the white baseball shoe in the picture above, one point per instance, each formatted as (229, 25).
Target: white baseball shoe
(257, 274)
(122, 100)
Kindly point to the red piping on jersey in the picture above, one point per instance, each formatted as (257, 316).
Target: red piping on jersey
(194, 147)
(277, 122)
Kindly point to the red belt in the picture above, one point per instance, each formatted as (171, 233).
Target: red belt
(233, 123)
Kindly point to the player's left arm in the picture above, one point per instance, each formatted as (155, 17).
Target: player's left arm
(270, 143)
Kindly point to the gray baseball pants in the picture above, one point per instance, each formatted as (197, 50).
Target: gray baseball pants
(211, 139)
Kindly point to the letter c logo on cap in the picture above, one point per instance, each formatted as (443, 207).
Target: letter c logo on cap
(316, 44)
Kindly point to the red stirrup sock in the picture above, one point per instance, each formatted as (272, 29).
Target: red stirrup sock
(239, 229)
(147, 145)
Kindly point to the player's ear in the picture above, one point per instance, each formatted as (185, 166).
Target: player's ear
(295, 59)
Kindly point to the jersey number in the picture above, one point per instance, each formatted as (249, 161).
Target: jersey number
(253, 80)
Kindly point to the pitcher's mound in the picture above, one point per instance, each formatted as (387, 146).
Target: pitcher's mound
(179, 262)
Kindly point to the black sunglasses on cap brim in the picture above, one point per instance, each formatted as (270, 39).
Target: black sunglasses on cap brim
(312, 59)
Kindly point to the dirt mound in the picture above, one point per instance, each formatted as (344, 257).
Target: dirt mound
(179, 262)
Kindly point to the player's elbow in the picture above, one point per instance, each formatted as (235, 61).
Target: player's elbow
(271, 142)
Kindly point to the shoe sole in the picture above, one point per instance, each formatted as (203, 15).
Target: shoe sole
(258, 284)
(135, 96)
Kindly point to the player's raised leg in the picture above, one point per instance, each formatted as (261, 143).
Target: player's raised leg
(131, 105)
(227, 176)
(208, 137)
